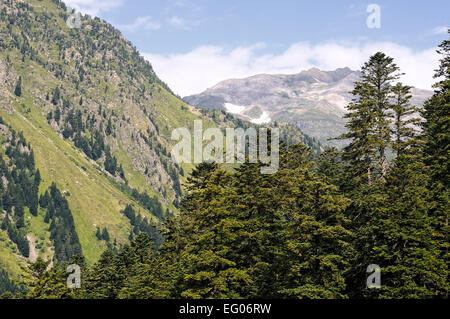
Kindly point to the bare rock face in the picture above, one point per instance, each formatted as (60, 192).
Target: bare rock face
(5, 84)
(313, 100)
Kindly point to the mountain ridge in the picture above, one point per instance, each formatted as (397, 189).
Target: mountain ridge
(99, 122)
(313, 100)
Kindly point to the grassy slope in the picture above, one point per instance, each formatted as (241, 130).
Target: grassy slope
(9, 261)
(93, 199)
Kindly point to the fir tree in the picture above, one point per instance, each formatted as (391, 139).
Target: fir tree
(56, 96)
(405, 135)
(369, 120)
(436, 136)
(98, 234)
(105, 235)
(18, 89)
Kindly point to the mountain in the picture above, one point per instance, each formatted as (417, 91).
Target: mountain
(97, 121)
(312, 100)
(85, 136)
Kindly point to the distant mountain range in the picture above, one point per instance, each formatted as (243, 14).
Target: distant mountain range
(313, 100)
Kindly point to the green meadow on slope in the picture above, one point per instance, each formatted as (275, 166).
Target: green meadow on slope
(96, 198)
(99, 123)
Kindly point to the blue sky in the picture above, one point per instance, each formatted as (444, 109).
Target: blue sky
(193, 44)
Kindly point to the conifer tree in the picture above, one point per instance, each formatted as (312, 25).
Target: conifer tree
(56, 96)
(405, 135)
(149, 277)
(18, 89)
(369, 120)
(105, 235)
(397, 234)
(104, 279)
(436, 136)
(98, 234)
(437, 119)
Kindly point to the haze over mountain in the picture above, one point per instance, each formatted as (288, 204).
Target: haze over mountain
(313, 100)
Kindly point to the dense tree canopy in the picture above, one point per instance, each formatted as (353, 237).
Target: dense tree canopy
(310, 230)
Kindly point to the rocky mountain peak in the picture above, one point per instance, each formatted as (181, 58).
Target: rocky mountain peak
(313, 99)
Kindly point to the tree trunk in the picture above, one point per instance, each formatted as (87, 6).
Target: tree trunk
(383, 163)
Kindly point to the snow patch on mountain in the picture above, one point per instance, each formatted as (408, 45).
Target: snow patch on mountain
(233, 108)
(314, 100)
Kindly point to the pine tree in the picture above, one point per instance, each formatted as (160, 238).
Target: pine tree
(109, 127)
(436, 136)
(369, 120)
(105, 235)
(405, 135)
(18, 89)
(57, 115)
(149, 277)
(98, 234)
(56, 96)
(331, 168)
(397, 234)
(437, 119)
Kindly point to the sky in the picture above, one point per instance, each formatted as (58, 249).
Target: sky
(194, 44)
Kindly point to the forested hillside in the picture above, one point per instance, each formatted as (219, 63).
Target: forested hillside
(86, 138)
(312, 229)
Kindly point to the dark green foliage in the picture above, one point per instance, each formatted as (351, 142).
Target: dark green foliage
(105, 235)
(62, 227)
(56, 96)
(95, 147)
(98, 234)
(102, 234)
(109, 127)
(6, 285)
(393, 229)
(405, 136)
(18, 237)
(21, 189)
(396, 219)
(436, 136)
(308, 231)
(368, 123)
(234, 233)
(18, 89)
(57, 115)
(152, 204)
(110, 162)
(141, 225)
(50, 282)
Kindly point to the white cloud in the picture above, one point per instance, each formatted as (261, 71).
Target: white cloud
(145, 23)
(178, 22)
(195, 71)
(183, 5)
(93, 7)
(440, 30)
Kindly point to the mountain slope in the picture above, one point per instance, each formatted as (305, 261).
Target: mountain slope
(313, 100)
(98, 121)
